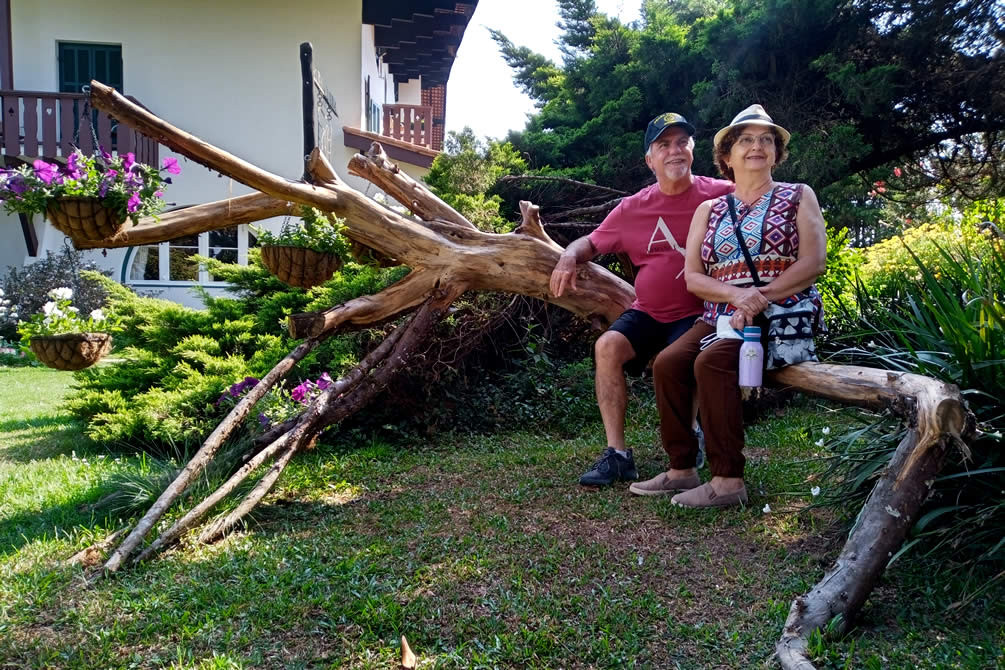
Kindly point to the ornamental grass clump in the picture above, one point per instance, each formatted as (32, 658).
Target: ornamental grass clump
(120, 183)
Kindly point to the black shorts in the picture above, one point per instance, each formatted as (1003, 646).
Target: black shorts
(648, 336)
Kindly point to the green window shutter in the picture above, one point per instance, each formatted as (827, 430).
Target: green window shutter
(79, 63)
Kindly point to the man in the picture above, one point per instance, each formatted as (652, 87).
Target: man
(651, 227)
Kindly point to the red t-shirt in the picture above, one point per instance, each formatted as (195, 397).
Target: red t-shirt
(651, 228)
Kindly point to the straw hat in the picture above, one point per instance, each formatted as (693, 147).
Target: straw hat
(756, 116)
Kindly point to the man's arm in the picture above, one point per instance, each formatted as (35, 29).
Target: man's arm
(564, 274)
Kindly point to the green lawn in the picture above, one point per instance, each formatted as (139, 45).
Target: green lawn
(482, 550)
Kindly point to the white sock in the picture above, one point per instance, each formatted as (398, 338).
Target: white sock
(621, 452)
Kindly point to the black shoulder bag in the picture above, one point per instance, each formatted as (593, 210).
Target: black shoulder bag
(789, 329)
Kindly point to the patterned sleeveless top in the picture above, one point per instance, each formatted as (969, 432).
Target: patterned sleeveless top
(770, 232)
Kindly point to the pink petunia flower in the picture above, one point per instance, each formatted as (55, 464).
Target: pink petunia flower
(134, 203)
(171, 165)
(47, 172)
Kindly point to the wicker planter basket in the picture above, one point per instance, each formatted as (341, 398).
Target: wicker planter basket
(72, 351)
(84, 219)
(300, 267)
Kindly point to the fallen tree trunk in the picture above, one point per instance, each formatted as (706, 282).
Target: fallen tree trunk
(937, 420)
(447, 256)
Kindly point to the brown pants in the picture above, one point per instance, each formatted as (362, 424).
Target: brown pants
(677, 371)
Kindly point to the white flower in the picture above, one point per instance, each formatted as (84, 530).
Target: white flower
(48, 308)
(98, 315)
(826, 431)
(815, 491)
(767, 509)
(73, 309)
(871, 344)
(1, 292)
(819, 442)
(61, 293)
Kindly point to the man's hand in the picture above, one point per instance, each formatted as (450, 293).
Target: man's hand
(564, 275)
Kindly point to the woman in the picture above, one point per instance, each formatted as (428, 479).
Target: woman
(784, 232)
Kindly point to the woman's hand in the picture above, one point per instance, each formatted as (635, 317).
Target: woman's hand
(750, 301)
(741, 318)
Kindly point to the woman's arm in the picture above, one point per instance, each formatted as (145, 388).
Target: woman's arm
(749, 300)
(811, 256)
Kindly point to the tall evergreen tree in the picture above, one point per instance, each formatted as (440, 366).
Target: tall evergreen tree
(863, 86)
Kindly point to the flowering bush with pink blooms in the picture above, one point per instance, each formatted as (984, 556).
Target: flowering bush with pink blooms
(280, 403)
(132, 189)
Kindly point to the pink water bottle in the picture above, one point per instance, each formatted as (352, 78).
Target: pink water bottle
(751, 357)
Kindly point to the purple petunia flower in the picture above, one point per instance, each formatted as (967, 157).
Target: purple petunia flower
(167, 180)
(129, 160)
(104, 154)
(299, 393)
(134, 203)
(324, 381)
(15, 183)
(71, 165)
(47, 172)
(171, 165)
(263, 420)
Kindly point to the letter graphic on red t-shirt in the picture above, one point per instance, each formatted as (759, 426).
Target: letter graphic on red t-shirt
(667, 237)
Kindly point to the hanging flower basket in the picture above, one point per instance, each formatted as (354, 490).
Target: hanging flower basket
(72, 351)
(300, 267)
(85, 218)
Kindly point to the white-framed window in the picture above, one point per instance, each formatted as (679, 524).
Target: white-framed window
(169, 263)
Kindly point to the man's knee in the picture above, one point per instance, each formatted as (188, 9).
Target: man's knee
(613, 348)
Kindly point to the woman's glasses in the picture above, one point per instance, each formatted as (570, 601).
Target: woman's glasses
(747, 141)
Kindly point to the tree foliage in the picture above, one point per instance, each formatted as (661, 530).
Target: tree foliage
(464, 174)
(862, 85)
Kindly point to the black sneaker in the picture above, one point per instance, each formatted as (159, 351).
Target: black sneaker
(611, 467)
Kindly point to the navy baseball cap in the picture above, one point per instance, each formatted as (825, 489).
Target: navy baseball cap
(664, 121)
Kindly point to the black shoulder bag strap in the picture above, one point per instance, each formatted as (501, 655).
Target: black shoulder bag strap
(739, 237)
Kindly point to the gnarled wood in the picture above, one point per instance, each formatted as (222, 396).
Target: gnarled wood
(196, 219)
(937, 420)
(378, 170)
(367, 310)
(448, 256)
(205, 454)
(515, 262)
(334, 404)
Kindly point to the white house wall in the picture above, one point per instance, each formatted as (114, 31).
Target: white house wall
(226, 71)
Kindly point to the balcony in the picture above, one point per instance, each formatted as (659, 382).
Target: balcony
(407, 136)
(409, 123)
(37, 124)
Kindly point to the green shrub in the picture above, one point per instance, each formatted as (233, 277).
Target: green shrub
(889, 267)
(837, 283)
(174, 361)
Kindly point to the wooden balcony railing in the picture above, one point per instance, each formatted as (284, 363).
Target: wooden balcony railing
(409, 123)
(39, 124)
